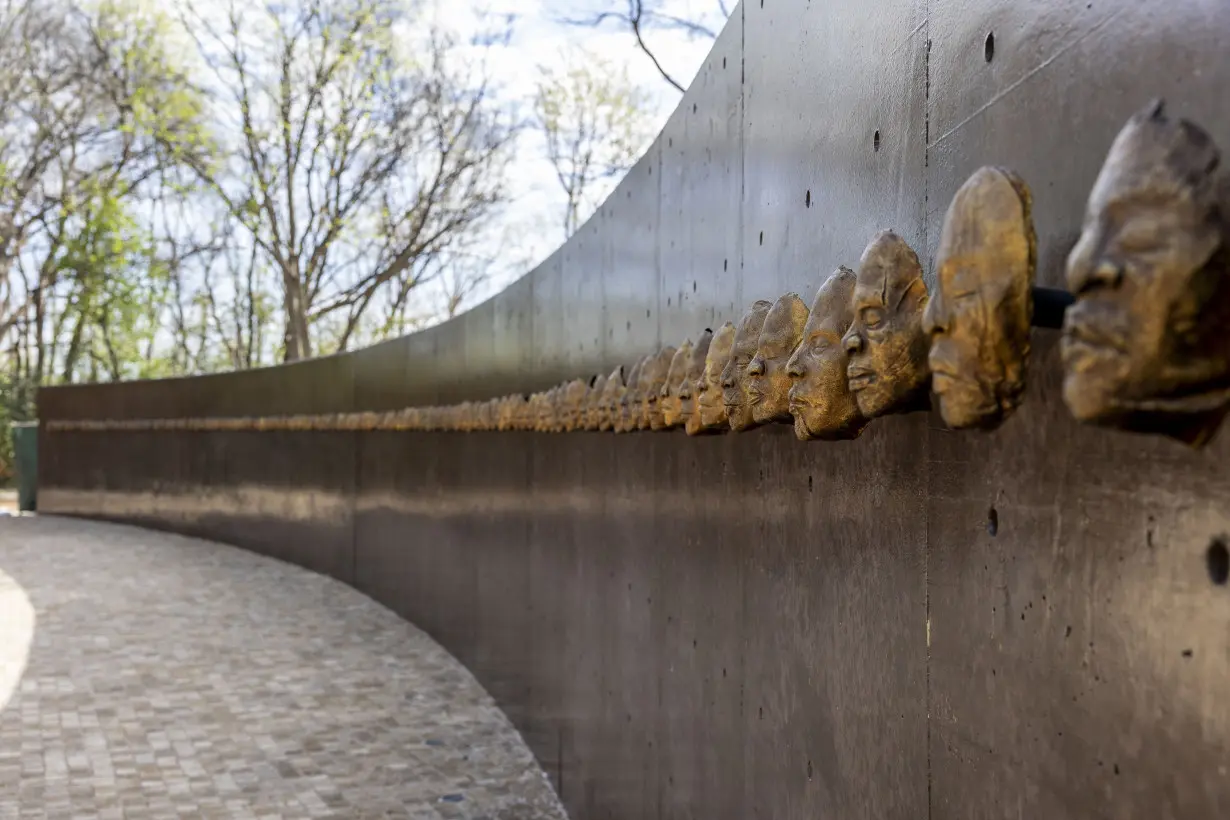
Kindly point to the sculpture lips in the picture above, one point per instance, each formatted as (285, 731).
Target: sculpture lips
(798, 406)
(1091, 337)
(941, 379)
(942, 373)
(859, 377)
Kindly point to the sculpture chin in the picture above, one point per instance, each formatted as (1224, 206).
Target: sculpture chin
(966, 406)
(1092, 375)
(813, 423)
(770, 411)
(871, 397)
(740, 417)
(1085, 401)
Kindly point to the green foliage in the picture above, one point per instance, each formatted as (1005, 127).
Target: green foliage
(16, 404)
(119, 285)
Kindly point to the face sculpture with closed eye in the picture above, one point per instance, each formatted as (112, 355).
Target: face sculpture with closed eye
(768, 384)
(888, 371)
(654, 379)
(689, 411)
(593, 403)
(608, 404)
(572, 405)
(1146, 347)
(734, 375)
(979, 315)
(711, 409)
(820, 399)
(668, 399)
(630, 402)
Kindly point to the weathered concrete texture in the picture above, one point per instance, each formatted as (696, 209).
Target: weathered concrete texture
(168, 677)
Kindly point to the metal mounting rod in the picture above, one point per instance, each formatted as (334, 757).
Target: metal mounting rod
(1049, 305)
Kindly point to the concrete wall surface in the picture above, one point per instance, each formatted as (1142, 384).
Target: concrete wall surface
(918, 623)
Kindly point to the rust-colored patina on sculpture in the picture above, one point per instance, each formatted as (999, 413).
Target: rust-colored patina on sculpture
(593, 403)
(653, 381)
(689, 409)
(711, 410)
(1146, 347)
(625, 419)
(888, 370)
(676, 374)
(608, 405)
(820, 399)
(768, 383)
(979, 314)
(572, 406)
(735, 388)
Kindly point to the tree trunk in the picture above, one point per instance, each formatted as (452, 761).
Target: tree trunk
(74, 349)
(40, 354)
(298, 345)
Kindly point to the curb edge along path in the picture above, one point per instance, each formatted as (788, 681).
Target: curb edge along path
(172, 677)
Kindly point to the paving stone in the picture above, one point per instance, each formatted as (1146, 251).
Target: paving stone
(146, 675)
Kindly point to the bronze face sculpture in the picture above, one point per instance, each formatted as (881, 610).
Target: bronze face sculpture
(669, 400)
(768, 384)
(710, 407)
(820, 399)
(504, 413)
(608, 405)
(572, 405)
(593, 403)
(979, 315)
(1146, 346)
(528, 414)
(640, 410)
(653, 380)
(735, 387)
(548, 410)
(539, 403)
(689, 411)
(630, 399)
(888, 349)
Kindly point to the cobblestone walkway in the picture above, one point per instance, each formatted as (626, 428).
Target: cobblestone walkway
(145, 675)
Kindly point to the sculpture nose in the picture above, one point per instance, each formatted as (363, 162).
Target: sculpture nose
(853, 342)
(935, 316)
(1100, 273)
(756, 366)
(794, 368)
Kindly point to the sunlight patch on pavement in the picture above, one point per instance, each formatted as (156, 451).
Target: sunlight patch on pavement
(16, 635)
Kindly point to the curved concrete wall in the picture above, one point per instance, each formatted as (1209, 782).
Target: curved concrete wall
(917, 623)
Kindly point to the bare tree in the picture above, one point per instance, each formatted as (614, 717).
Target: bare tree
(595, 122)
(353, 165)
(640, 17)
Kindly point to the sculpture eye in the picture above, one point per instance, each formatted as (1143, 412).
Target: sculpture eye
(872, 317)
(1140, 237)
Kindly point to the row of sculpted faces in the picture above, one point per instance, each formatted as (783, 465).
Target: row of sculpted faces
(1146, 346)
